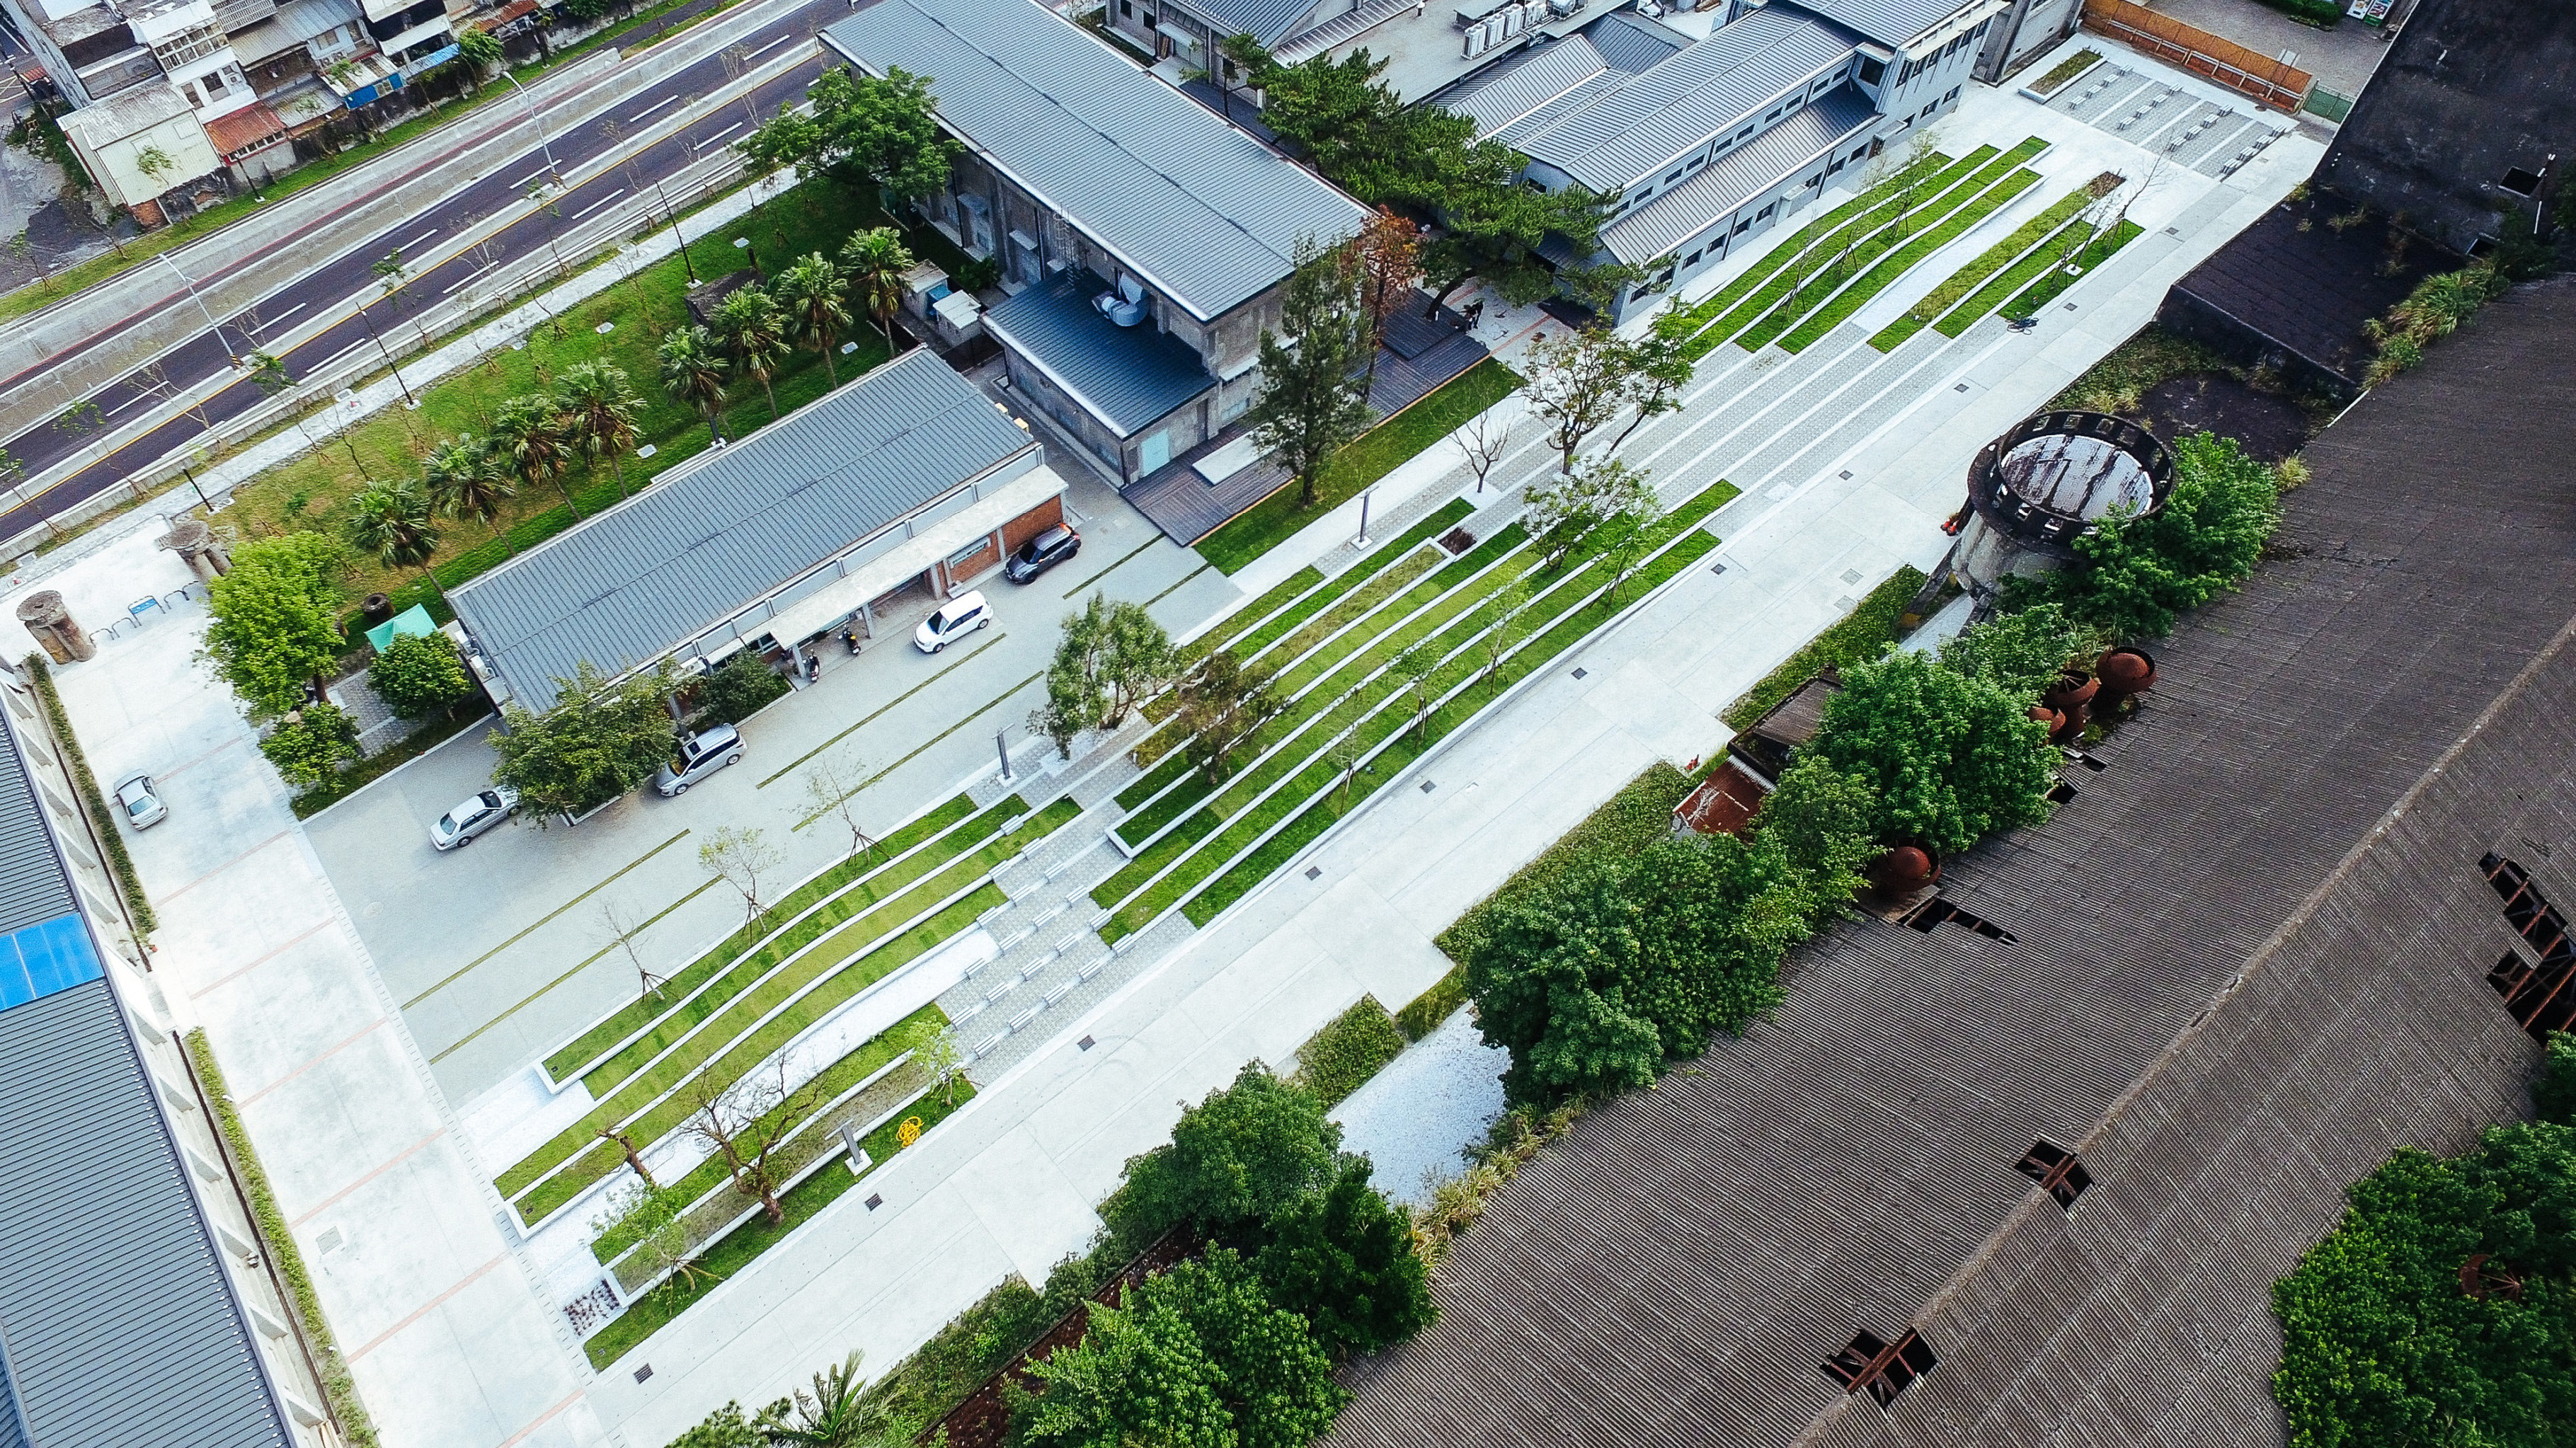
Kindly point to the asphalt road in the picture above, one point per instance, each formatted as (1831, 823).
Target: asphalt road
(348, 287)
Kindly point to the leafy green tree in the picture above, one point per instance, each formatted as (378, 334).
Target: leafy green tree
(1109, 657)
(419, 674)
(1344, 1258)
(464, 480)
(811, 293)
(1826, 821)
(1345, 120)
(877, 261)
(393, 524)
(1223, 706)
(738, 688)
(311, 746)
(2019, 653)
(595, 744)
(694, 373)
(274, 620)
(1273, 1377)
(599, 409)
(1139, 1376)
(2553, 1097)
(2135, 575)
(1600, 980)
(1311, 403)
(480, 51)
(754, 331)
(1952, 759)
(531, 444)
(862, 132)
(1236, 1158)
(2441, 1311)
(1629, 509)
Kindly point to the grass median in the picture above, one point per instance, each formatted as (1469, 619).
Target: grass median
(1952, 305)
(1905, 258)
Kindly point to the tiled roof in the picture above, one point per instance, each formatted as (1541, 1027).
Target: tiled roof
(1201, 210)
(1128, 377)
(2246, 959)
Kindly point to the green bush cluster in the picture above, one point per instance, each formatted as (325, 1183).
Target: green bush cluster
(1860, 635)
(737, 689)
(1352, 1047)
(1424, 1013)
(1640, 814)
(418, 675)
(310, 747)
(2134, 576)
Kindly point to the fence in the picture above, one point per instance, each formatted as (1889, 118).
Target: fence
(2267, 80)
(2327, 104)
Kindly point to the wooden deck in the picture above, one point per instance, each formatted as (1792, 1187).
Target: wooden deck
(1419, 355)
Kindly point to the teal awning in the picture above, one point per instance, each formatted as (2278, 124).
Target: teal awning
(413, 620)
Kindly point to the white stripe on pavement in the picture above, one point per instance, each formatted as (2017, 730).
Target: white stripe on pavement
(657, 105)
(603, 201)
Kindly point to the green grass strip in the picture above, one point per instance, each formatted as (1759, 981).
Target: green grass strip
(1856, 638)
(1870, 208)
(1904, 259)
(1968, 279)
(2047, 288)
(2050, 252)
(1857, 257)
(729, 1254)
(590, 1045)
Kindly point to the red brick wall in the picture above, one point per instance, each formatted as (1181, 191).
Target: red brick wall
(1030, 524)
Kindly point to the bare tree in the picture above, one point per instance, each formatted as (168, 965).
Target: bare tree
(622, 934)
(1509, 623)
(1482, 442)
(651, 1218)
(830, 786)
(1414, 670)
(744, 1123)
(739, 857)
(1629, 509)
(634, 1158)
(1348, 750)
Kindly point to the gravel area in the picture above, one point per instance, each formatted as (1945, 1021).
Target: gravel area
(1412, 1118)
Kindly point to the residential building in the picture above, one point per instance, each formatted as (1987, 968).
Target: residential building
(2021, 1165)
(141, 146)
(898, 489)
(287, 54)
(1143, 240)
(138, 1307)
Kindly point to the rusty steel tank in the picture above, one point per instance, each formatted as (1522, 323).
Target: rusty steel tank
(2041, 486)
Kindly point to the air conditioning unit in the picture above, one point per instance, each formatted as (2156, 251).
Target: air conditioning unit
(1512, 20)
(1493, 29)
(1562, 8)
(1475, 40)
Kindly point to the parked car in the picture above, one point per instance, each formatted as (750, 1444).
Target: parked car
(141, 802)
(964, 614)
(1041, 553)
(700, 755)
(483, 813)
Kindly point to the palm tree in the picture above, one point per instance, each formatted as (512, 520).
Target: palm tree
(876, 261)
(754, 332)
(693, 372)
(466, 481)
(837, 1414)
(529, 444)
(811, 292)
(599, 413)
(391, 523)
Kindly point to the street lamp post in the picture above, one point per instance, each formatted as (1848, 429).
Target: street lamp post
(743, 244)
(211, 324)
(676, 234)
(542, 143)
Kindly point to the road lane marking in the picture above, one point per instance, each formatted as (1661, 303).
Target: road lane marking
(773, 45)
(417, 240)
(469, 276)
(270, 324)
(522, 182)
(603, 201)
(657, 105)
(540, 992)
(720, 135)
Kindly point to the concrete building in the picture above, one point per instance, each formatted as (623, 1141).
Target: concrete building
(1143, 240)
(138, 1305)
(904, 485)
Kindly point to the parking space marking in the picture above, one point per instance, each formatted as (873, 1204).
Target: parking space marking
(881, 710)
(1168, 592)
(1112, 568)
(464, 969)
(986, 708)
(567, 975)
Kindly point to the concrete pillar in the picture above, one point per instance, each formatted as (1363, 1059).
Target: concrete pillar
(65, 641)
(868, 619)
(199, 548)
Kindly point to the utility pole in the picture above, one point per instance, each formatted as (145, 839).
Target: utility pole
(542, 143)
(211, 324)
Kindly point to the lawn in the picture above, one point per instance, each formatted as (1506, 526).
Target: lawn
(1962, 297)
(311, 491)
(2048, 288)
(1905, 258)
(1856, 638)
(1378, 452)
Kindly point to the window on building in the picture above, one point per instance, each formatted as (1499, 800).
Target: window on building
(1871, 70)
(1692, 260)
(1880, 1369)
(1742, 225)
(1126, 9)
(2057, 1169)
(1952, 96)
(2540, 996)
(1675, 176)
(1765, 213)
(1696, 162)
(1775, 114)
(1747, 131)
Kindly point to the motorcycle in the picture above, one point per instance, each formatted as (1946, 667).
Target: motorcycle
(850, 636)
(813, 667)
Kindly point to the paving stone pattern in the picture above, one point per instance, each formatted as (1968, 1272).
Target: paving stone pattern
(2210, 137)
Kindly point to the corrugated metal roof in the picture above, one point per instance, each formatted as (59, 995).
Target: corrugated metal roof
(1206, 213)
(2227, 1008)
(1128, 377)
(1890, 22)
(630, 584)
(1264, 20)
(122, 1330)
(33, 886)
(1746, 172)
(1629, 41)
(1502, 95)
(1626, 133)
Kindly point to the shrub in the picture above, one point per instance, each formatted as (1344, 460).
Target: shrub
(419, 674)
(737, 689)
(311, 747)
(726, 1427)
(1351, 1048)
(1637, 816)
(2553, 1097)
(2136, 575)
(1425, 1012)
(2019, 653)
(1344, 1258)
(1243, 1153)
(1952, 759)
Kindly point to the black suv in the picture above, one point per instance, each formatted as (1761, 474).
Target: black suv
(1041, 553)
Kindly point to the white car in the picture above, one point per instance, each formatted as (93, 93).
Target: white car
(963, 615)
(457, 828)
(700, 755)
(140, 801)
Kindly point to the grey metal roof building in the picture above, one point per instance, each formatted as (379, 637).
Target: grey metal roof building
(1205, 213)
(2254, 951)
(118, 1325)
(1837, 116)
(1892, 22)
(736, 533)
(1129, 377)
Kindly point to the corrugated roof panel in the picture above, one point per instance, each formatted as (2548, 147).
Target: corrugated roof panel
(1746, 172)
(1130, 376)
(1206, 212)
(1504, 94)
(33, 886)
(1268, 21)
(1630, 42)
(1890, 22)
(694, 549)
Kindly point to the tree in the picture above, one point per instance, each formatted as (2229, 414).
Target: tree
(625, 1143)
(877, 262)
(464, 480)
(1239, 56)
(1388, 253)
(1659, 367)
(155, 164)
(1224, 705)
(1506, 624)
(694, 372)
(1139, 1376)
(596, 743)
(1271, 1375)
(529, 443)
(726, 1427)
(1628, 509)
(392, 523)
(862, 131)
(1562, 511)
(837, 1414)
(754, 333)
(2019, 653)
(1345, 120)
(652, 1221)
(1238, 1157)
(418, 675)
(1108, 659)
(1580, 380)
(310, 746)
(1310, 406)
(1952, 759)
(745, 1122)
(1482, 443)
(1827, 822)
(939, 1056)
(2135, 575)
(738, 688)
(267, 373)
(810, 293)
(1413, 671)
(599, 408)
(1344, 1258)
(480, 51)
(623, 932)
(274, 620)
(834, 789)
(1349, 749)
(739, 857)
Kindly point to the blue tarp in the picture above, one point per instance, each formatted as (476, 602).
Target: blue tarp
(44, 958)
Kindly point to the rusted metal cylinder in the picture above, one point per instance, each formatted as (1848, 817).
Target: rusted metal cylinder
(46, 617)
(199, 548)
(2125, 672)
(1904, 870)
